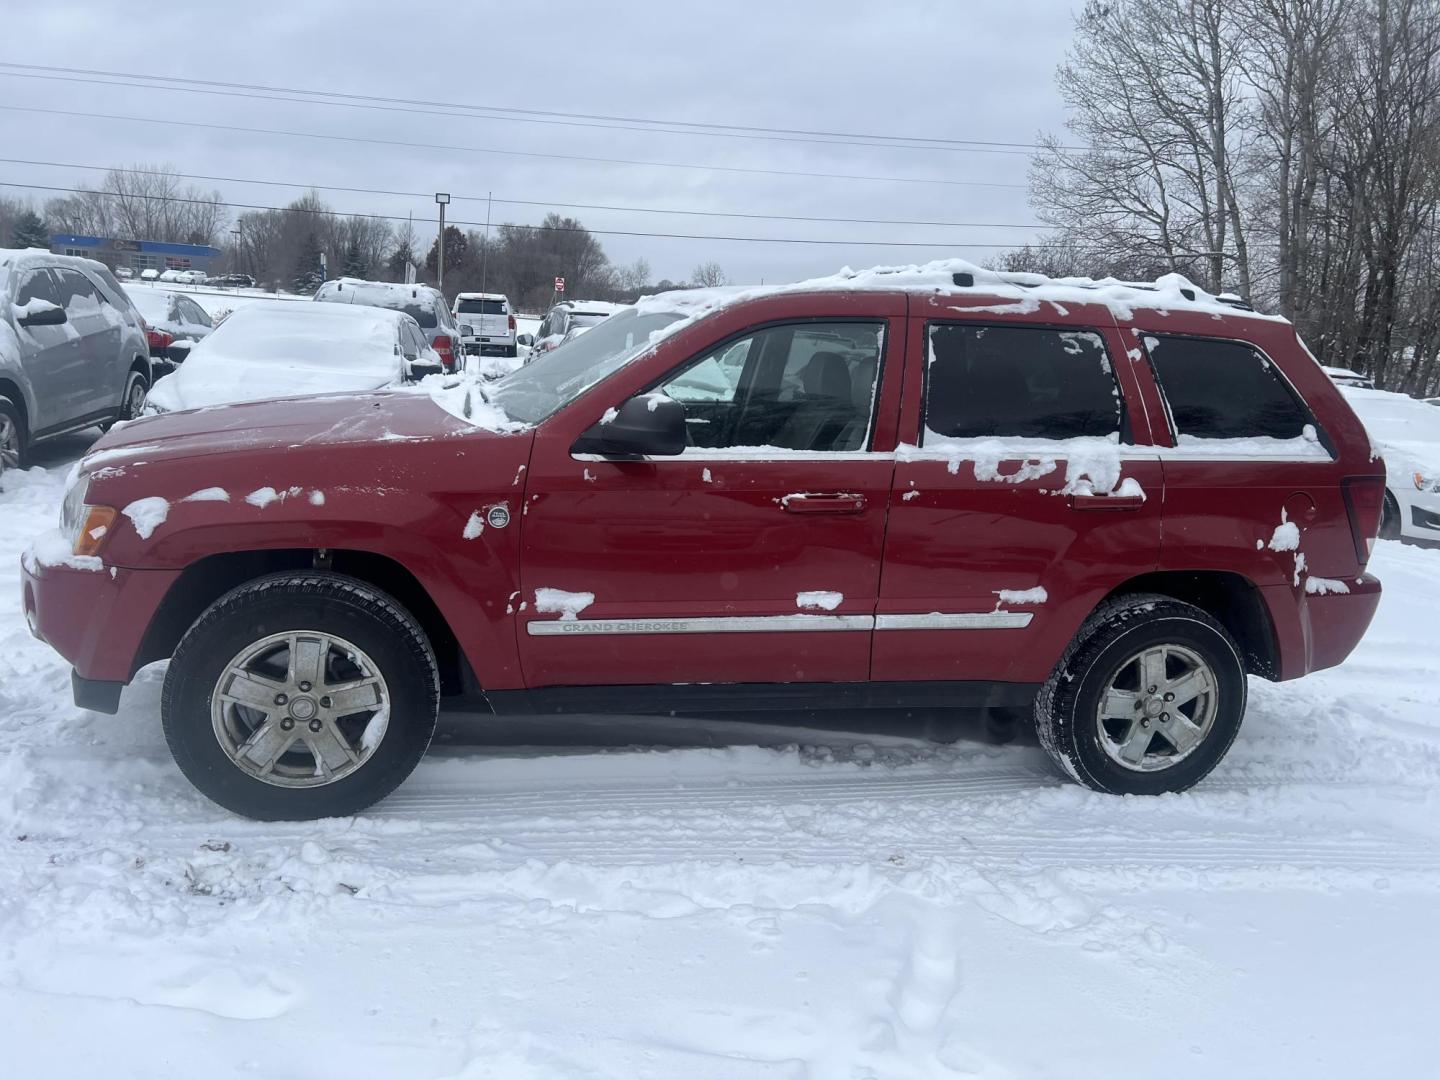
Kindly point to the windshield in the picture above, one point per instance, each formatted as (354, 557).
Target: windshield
(539, 389)
(482, 307)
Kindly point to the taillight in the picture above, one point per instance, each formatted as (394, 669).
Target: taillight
(512, 322)
(445, 347)
(158, 340)
(1365, 506)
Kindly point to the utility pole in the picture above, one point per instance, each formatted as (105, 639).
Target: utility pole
(485, 251)
(442, 198)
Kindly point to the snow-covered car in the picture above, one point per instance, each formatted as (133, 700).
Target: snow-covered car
(72, 350)
(565, 317)
(487, 325)
(1345, 377)
(124, 273)
(150, 275)
(1407, 432)
(424, 304)
(277, 349)
(174, 322)
(183, 277)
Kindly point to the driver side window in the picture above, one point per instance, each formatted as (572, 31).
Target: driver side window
(801, 386)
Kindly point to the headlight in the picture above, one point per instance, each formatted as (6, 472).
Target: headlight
(86, 527)
(1426, 483)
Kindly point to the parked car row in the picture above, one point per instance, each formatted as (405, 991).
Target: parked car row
(186, 277)
(943, 486)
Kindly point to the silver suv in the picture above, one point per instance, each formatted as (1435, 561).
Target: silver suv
(72, 350)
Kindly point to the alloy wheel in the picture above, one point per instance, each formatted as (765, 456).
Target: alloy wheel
(300, 709)
(1157, 708)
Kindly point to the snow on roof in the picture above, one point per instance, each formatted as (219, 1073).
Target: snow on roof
(480, 296)
(14, 260)
(956, 277)
(362, 287)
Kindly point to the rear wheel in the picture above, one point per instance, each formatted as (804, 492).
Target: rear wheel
(12, 437)
(1390, 519)
(136, 388)
(301, 696)
(1147, 699)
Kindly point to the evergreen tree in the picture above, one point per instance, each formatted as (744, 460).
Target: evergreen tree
(355, 265)
(31, 231)
(308, 275)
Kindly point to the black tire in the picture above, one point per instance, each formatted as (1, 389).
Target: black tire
(133, 403)
(1067, 707)
(334, 604)
(1390, 519)
(512, 351)
(11, 420)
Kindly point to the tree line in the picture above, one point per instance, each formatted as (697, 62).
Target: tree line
(1285, 150)
(296, 247)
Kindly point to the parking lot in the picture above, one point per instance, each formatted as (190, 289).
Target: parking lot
(847, 901)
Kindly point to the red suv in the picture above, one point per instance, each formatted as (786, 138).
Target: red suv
(942, 486)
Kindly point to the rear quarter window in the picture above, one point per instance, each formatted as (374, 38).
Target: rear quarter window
(1019, 382)
(1224, 390)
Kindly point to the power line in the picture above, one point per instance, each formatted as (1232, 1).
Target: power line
(539, 228)
(536, 202)
(706, 126)
(508, 153)
(454, 115)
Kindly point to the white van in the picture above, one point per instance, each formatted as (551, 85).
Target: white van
(487, 325)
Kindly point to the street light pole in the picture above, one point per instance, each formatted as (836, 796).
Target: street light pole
(442, 199)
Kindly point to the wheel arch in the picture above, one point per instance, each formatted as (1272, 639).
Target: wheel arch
(1231, 598)
(12, 390)
(206, 580)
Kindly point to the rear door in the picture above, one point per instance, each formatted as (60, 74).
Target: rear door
(752, 557)
(1023, 499)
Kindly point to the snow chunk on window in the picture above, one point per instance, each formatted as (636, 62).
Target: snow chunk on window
(819, 600)
(1037, 595)
(1319, 586)
(210, 494)
(475, 526)
(567, 605)
(147, 515)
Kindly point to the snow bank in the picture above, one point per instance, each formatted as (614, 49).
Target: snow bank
(819, 600)
(567, 605)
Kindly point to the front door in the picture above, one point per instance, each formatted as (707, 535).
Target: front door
(1023, 501)
(52, 358)
(753, 556)
(97, 334)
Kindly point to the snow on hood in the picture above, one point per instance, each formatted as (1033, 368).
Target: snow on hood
(275, 349)
(1404, 429)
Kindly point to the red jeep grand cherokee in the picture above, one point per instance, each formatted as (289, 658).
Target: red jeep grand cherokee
(940, 486)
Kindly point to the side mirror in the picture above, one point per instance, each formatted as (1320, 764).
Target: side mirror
(47, 314)
(528, 340)
(649, 424)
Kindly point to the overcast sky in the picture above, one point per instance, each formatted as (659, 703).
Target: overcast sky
(948, 69)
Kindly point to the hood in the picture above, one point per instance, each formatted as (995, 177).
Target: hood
(286, 424)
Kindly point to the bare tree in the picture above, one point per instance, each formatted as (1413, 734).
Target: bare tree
(142, 202)
(708, 274)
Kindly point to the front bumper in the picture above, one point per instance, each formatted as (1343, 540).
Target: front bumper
(1420, 521)
(95, 619)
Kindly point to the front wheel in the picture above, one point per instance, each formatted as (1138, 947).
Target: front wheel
(1390, 519)
(301, 695)
(12, 437)
(1146, 700)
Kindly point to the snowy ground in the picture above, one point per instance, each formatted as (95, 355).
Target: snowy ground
(890, 911)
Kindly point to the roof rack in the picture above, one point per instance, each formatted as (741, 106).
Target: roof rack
(966, 280)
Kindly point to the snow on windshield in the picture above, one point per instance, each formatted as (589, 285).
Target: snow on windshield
(276, 349)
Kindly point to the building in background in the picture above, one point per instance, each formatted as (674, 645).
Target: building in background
(137, 254)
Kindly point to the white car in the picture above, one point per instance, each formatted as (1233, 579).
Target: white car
(487, 325)
(150, 275)
(275, 349)
(1407, 432)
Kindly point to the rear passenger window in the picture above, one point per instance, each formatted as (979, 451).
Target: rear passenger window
(1224, 390)
(1019, 382)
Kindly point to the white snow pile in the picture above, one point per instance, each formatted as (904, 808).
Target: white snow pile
(819, 600)
(282, 349)
(1286, 536)
(1092, 464)
(859, 902)
(265, 496)
(1037, 595)
(210, 494)
(147, 515)
(474, 526)
(1319, 586)
(568, 605)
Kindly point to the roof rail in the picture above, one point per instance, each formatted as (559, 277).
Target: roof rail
(966, 280)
